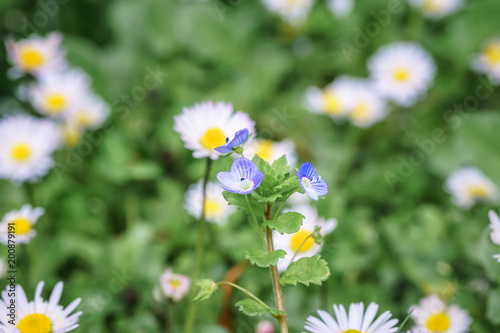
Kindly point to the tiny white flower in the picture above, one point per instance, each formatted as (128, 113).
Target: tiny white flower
(270, 150)
(436, 9)
(292, 242)
(402, 72)
(174, 286)
(495, 230)
(432, 315)
(469, 185)
(216, 208)
(340, 8)
(488, 62)
(20, 223)
(265, 327)
(206, 126)
(333, 100)
(26, 144)
(89, 113)
(294, 12)
(36, 55)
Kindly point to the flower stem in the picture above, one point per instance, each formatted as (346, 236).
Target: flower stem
(278, 292)
(199, 252)
(300, 247)
(256, 224)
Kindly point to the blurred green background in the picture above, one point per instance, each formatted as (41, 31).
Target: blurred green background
(114, 218)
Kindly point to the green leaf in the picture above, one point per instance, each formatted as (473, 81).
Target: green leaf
(494, 306)
(238, 200)
(251, 307)
(260, 258)
(207, 288)
(286, 223)
(306, 271)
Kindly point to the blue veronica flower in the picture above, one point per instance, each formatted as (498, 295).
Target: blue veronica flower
(239, 138)
(311, 182)
(243, 178)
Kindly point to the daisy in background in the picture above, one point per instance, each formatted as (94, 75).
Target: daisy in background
(436, 9)
(26, 145)
(468, 186)
(340, 8)
(216, 208)
(402, 72)
(333, 100)
(36, 55)
(57, 93)
(293, 12)
(89, 113)
(20, 223)
(206, 126)
(292, 242)
(270, 150)
(356, 321)
(495, 230)
(488, 62)
(172, 286)
(432, 315)
(39, 316)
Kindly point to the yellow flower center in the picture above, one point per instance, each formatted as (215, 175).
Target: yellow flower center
(477, 191)
(175, 284)
(352, 331)
(298, 238)
(432, 6)
(212, 208)
(332, 103)
(360, 112)
(438, 322)
(31, 59)
(401, 74)
(213, 138)
(55, 103)
(84, 120)
(21, 226)
(35, 323)
(492, 53)
(264, 149)
(71, 135)
(20, 152)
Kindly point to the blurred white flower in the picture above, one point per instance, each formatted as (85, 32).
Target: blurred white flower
(26, 144)
(495, 230)
(432, 315)
(333, 100)
(39, 316)
(294, 12)
(20, 223)
(36, 55)
(340, 8)
(356, 321)
(468, 186)
(89, 113)
(265, 327)
(270, 150)
(436, 9)
(216, 208)
(402, 72)
(292, 242)
(488, 62)
(206, 126)
(174, 286)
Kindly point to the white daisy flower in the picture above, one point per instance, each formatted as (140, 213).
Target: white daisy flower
(488, 62)
(294, 12)
(57, 93)
(26, 144)
(468, 186)
(36, 55)
(291, 242)
(436, 9)
(206, 126)
(90, 112)
(356, 321)
(216, 208)
(333, 100)
(432, 315)
(402, 72)
(71, 134)
(495, 230)
(340, 8)
(20, 223)
(39, 316)
(174, 286)
(270, 150)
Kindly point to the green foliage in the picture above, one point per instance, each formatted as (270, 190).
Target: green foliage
(207, 288)
(306, 270)
(260, 258)
(251, 307)
(289, 223)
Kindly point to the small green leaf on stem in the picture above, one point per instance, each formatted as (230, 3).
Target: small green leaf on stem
(260, 258)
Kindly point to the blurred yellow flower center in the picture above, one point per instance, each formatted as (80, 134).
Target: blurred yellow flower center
(213, 138)
(35, 323)
(360, 112)
(20, 152)
(401, 74)
(298, 238)
(492, 53)
(175, 283)
(22, 226)
(332, 103)
(477, 191)
(438, 322)
(432, 6)
(212, 207)
(351, 331)
(71, 135)
(31, 59)
(264, 149)
(83, 119)
(55, 103)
